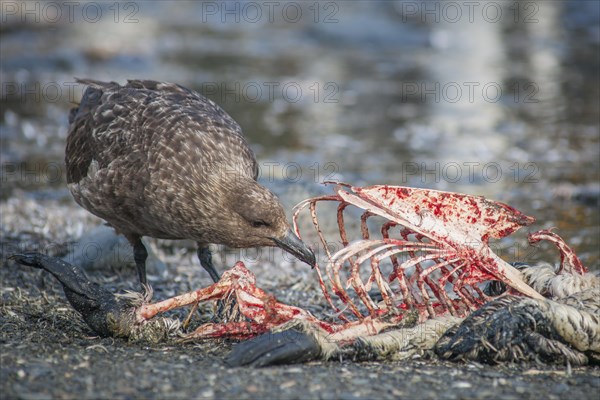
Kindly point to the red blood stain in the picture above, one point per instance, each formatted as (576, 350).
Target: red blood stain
(505, 232)
(397, 192)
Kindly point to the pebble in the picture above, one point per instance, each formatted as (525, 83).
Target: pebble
(461, 385)
(206, 394)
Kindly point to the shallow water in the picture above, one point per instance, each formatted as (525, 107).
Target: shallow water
(498, 100)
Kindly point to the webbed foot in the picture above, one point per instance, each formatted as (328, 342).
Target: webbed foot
(286, 347)
(99, 308)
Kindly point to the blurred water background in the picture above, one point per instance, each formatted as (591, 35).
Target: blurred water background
(490, 98)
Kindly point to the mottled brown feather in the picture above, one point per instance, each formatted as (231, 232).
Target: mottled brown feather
(157, 159)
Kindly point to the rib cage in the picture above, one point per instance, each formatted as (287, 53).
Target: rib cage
(431, 272)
